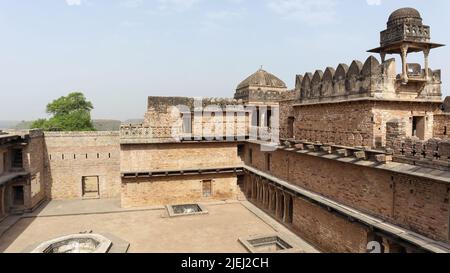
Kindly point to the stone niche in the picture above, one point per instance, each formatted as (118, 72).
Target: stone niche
(274, 243)
(77, 243)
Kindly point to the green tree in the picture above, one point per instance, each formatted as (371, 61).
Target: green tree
(69, 113)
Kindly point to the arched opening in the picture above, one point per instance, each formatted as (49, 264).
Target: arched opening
(290, 214)
(281, 206)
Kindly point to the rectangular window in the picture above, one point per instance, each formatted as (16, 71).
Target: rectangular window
(17, 158)
(418, 127)
(250, 156)
(207, 188)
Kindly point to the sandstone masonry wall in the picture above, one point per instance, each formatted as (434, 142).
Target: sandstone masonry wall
(71, 156)
(418, 204)
(178, 156)
(357, 123)
(441, 127)
(34, 162)
(140, 192)
(347, 124)
(384, 112)
(329, 231)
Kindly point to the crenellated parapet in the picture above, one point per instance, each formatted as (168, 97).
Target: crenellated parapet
(370, 79)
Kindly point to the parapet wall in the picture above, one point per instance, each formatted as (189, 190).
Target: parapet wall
(173, 118)
(433, 153)
(370, 79)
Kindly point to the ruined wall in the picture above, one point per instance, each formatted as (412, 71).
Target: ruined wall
(386, 111)
(418, 204)
(178, 156)
(72, 155)
(348, 124)
(441, 128)
(140, 192)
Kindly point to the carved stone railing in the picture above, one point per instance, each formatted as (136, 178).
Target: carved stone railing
(433, 153)
(141, 134)
(347, 138)
(147, 134)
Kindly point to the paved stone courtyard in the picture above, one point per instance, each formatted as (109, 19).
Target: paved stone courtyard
(147, 230)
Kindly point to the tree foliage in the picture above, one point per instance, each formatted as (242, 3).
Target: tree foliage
(69, 113)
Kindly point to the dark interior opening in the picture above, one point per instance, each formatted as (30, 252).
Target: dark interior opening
(18, 196)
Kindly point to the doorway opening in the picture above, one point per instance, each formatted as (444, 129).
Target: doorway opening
(91, 187)
(418, 127)
(18, 196)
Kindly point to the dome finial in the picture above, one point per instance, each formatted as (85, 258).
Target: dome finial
(261, 67)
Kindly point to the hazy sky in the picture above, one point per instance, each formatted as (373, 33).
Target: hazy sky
(118, 52)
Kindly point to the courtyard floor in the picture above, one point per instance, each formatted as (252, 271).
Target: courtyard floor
(147, 229)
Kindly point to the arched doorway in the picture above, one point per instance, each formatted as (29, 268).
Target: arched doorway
(281, 206)
(290, 214)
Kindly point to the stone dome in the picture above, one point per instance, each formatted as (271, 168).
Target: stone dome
(404, 14)
(262, 78)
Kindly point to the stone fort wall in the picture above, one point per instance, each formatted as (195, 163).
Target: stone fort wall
(141, 192)
(70, 156)
(354, 123)
(172, 157)
(178, 156)
(418, 204)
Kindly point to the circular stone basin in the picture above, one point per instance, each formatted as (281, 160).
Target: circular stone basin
(77, 243)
